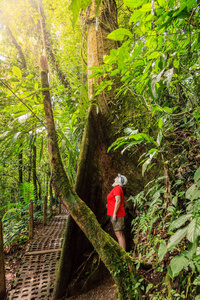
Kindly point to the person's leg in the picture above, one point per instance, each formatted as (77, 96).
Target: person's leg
(121, 238)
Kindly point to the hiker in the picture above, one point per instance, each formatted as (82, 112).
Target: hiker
(115, 208)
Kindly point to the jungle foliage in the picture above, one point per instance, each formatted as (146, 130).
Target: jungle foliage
(157, 68)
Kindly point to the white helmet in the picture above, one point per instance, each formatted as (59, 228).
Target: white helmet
(122, 180)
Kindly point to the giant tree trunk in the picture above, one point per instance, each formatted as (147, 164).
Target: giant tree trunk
(118, 262)
(96, 169)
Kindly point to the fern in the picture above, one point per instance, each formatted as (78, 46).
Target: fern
(27, 191)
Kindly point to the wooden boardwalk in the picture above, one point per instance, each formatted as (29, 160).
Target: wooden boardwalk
(36, 276)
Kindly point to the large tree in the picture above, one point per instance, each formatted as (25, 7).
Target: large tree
(97, 168)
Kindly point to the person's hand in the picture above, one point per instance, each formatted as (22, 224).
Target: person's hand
(114, 218)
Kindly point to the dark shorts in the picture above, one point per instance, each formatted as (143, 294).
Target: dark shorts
(119, 224)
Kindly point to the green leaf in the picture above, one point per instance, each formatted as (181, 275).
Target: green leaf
(152, 150)
(149, 286)
(133, 3)
(155, 108)
(197, 175)
(197, 282)
(193, 230)
(161, 2)
(162, 250)
(145, 165)
(159, 138)
(113, 73)
(146, 7)
(137, 50)
(177, 264)
(155, 54)
(138, 62)
(17, 72)
(168, 109)
(177, 237)
(15, 136)
(192, 193)
(160, 123)
(136, 16)
(119, 34)
(179, 222)
(76, 6)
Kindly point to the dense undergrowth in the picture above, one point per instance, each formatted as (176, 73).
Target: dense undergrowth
(166, 229)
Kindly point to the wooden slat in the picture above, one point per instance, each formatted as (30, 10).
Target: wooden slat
(43, 252)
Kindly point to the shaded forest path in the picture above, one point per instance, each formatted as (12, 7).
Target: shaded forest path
(36, 275)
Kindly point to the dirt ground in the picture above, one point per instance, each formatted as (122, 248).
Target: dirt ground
(105, 291)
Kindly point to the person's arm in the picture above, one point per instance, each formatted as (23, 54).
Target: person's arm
(117, 205)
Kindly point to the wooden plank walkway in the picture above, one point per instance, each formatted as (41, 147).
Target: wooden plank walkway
(36, 276)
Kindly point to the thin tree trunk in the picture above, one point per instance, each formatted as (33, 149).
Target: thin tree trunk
(20, 157)
(40, 189)
(29, 166)
(20, 167)
(14, 41)
(49, 49)
(34, 172)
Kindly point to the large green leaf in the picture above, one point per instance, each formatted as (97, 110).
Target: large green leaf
(179, 222)
(17, 71)
(177, 264)
(119, 34)
(177, 237)
(197, 175)
(197, 282)
(192, 193)
(193, 230)
(162, 250)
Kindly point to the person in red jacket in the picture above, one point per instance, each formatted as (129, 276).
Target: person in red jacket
(115, 208)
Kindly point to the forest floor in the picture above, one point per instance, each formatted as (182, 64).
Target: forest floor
(106, 290)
